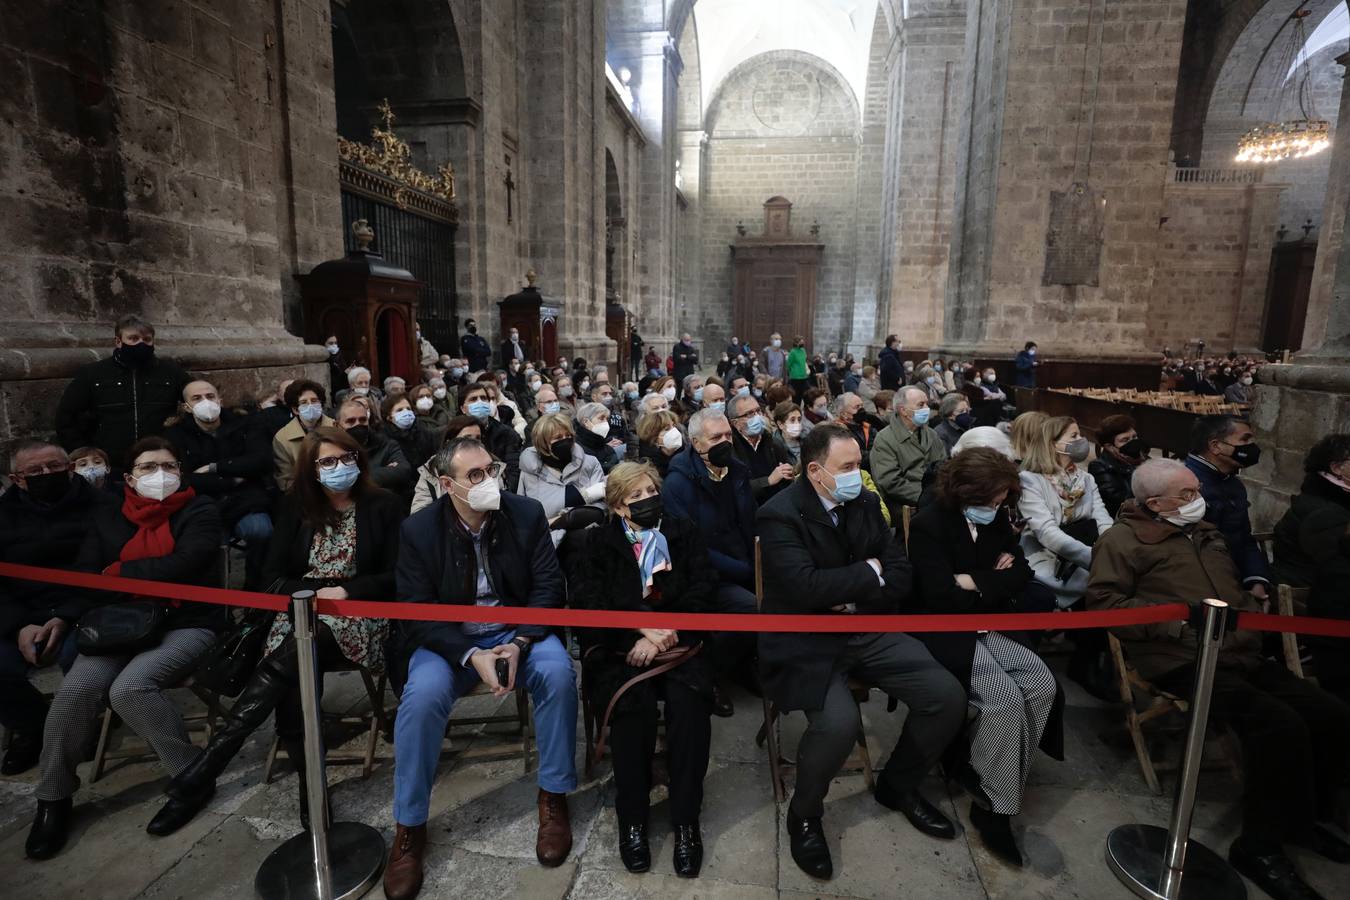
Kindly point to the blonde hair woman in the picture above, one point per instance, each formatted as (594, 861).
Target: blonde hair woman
(659, 438)
(1024, 431)
(558, 473)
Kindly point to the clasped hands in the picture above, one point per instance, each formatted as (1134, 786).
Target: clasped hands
(652, 642)
(485, 664)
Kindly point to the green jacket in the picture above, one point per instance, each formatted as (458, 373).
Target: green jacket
(899, 458)
(796, 365)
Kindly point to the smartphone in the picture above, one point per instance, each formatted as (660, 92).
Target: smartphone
(39, 647)
(503, 671)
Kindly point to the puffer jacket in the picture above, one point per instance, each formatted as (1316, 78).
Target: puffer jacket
(1045, 542)
(550, 486)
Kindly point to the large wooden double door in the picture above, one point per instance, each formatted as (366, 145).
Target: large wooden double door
(775, 291)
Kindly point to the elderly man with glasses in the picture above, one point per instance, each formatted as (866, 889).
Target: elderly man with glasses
(477, 545)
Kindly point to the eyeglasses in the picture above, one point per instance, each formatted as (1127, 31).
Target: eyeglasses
(329, 463)
(491, 470)
(1187, 496)
(151, 468)
(46, 469)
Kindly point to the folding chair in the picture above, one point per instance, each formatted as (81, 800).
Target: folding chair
(201, 723)
(374, 722)
(769, 731)
(521, 719)
(1153, 704)
(1289, 600)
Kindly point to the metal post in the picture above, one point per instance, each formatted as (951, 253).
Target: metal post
(1151, 862)
(301, 868)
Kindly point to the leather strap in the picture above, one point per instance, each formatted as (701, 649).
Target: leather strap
(661, 663)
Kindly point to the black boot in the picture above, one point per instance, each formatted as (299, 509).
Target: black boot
(806, 837)
(723, 708)
(179, 810)
(633, 848)
(996, 831)
(688, 851)
(1272, 871)
(50, 828)
(25, 748)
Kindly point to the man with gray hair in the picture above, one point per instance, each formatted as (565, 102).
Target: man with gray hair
(847, 410)
(904, 450)
(1294, 736)
(710, 487)
(770, 466)
(691, 396)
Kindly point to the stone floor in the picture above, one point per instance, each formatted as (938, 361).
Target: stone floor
(483, 822)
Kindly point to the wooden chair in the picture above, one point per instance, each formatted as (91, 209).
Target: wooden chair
(197, 723)
(769, 731)
(1145, 702)
(373, 723)
(906, 514)
(1291, 601)
(521, 720)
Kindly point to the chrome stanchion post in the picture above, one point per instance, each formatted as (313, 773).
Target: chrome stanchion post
(1151, 862)
(303, 867)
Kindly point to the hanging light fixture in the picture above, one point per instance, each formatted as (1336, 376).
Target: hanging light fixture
(1272, 142)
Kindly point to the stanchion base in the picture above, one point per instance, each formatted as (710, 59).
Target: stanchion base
(1135, 854)
(356, 853)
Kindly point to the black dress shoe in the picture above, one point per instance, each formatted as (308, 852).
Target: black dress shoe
(50, 828)
(921, 814)
(179, 810)
(1324, 843)
(688, 851)
(633, 848)
(25, 748)
(722, 705)
(996, 831)
(1273, 873)
(809, 850)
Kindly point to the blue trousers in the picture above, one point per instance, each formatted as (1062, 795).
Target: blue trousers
(255, 530)
(22, 706)
(434, 684)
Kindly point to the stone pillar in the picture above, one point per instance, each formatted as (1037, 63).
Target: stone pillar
(926, 94)
(1299, 403)
(1061, 94)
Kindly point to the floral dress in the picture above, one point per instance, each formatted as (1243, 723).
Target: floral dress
(332, 557)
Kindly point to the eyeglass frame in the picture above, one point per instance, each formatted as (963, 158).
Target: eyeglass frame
(330, 463)
(493, 469)
(140, 470)
(45, 469)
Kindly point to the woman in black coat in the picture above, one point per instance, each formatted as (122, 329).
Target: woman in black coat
(337, 535)
(1119, 453)
(967, 559)
(659, 438)
(642, 560)
(159, 532)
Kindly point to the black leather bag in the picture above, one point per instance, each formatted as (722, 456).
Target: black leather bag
(232, 661)
(121, 628)
(1082, 530)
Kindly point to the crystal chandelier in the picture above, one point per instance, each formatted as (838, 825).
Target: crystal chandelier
(1272, 142)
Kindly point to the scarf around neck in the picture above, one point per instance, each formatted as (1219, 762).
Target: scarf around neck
(153, 535)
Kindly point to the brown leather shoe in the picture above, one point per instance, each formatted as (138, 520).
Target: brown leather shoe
(555, 829)
(403, 874)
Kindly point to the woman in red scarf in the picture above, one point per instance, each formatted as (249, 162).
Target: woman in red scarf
(160, 533)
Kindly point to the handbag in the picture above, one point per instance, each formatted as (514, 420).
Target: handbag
(234, 658)
(121, 628)
(1085, 532)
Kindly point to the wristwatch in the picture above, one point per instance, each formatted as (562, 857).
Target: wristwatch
(522, 643)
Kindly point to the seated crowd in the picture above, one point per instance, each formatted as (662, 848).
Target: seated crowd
(807, 486)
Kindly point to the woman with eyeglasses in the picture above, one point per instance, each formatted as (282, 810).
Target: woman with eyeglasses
(337, 535)
(558, 473)
(160, 532)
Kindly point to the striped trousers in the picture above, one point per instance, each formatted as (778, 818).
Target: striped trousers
(1013, 691)
(134, 687)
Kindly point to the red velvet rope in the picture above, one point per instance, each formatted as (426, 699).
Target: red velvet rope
(592, 618)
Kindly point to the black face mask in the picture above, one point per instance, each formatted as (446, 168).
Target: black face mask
(964, 421)
(1133, 448)
(720, 455)
(473, 329)
(135, 355)
(646, 513)
(1246, 454)
(360, 434)
(48, 488)
(561, 449)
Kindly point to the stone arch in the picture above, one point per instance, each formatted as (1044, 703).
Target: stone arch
(679, 13)
(755, 62)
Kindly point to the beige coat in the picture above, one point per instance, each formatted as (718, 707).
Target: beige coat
(286, 450)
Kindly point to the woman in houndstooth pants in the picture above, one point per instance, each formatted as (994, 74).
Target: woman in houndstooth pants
(967, 559)
(159, 533)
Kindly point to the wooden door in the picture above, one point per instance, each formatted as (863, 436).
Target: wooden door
(775, 291)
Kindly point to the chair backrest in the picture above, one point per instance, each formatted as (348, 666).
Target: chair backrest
(759, 577)
(906, 513)
(1266, 541)
(1288, 601)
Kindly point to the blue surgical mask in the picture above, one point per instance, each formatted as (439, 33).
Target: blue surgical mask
(718, 405)
(632, 395)
(698, 395)
(551, 407)
(980, 515)
(847, 486)
(341, 477)
(755, 426)
(457, 371)
(404, 418)
(311, 412)
(480, 409)
(921, 416)
(743, 391)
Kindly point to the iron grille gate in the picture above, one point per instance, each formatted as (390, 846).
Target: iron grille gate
(425, 247)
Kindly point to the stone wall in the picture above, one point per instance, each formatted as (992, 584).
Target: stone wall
(783, 124)
(1213, 265)
(171, 159)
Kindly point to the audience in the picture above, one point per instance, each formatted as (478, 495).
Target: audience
(306, 400)
(414, 438)
(337, 535)
(116, 401)
(93, 465)
(500, 439)
(162, 531)
(443, 548)
(770, 465)
(890, 368)
(827, 550)
(954, 419)
(787, 433)
(593, 435)
(358, 381)
(1026, 364)
(659, 439)
(1119, 453)
(389, 468)
(904, 450)
(559, 474)
(428, 481)
(847, 410)
(1221, 447)
(1293, 735)
(645, 558)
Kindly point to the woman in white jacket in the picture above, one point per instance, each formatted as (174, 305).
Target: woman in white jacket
(428, 488)
(558, 473)
(1063, 510)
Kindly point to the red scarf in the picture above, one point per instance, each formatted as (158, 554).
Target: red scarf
(153, 536)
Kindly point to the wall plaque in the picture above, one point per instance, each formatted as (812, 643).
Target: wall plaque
(1073, 240)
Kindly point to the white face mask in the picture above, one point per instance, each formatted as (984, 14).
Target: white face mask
(672, 439)
(600, 429)
(668, 392)
(361, 391)
(1188, 514)
(157, 485)
(424, 404)
(438, 393)
(485, 497)
(92, 473)
(206, 410)
(793, 429)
